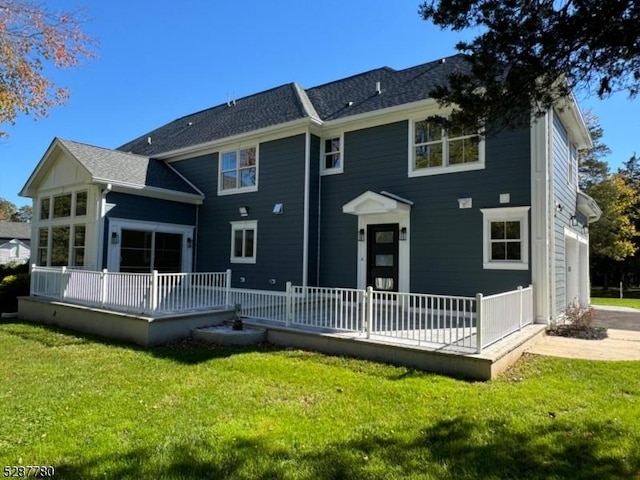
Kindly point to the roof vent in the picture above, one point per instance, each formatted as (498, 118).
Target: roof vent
(349, 104)
(378, 91)
(231, 100)
(189, 124)
(443, 61)
(148, 140)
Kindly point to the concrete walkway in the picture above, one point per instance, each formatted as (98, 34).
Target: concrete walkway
(623, 328)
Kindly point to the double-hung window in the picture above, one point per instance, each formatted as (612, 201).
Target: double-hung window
(332, 161)
(244, 236)
(238, 170)
(438, 150)
(506, 238)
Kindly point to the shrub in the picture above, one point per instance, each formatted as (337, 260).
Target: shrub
(13, 268)
(12, 287)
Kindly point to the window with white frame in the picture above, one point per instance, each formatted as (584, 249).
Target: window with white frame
(506, 238)
(238, 170)
(62, 229)
(244, 241)
(332, 155)
(435, 149)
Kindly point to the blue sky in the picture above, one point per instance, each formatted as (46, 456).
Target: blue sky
(160, 60)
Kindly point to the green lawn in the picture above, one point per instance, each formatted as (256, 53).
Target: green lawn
(618, 302)
(95, 409)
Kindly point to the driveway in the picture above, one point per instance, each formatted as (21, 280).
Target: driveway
(619, 318)
(623, 328)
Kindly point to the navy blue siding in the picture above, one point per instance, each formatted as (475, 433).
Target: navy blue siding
(279, 237)
(314, 210)
(446, 242)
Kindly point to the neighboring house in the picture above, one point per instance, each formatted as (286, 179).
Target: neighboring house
(15, 242)
(347, 184)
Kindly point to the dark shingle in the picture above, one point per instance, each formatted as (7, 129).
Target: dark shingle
(126, 168)
(19, 230)
(283, 104)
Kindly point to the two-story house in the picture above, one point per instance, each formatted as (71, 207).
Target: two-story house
(346, 184)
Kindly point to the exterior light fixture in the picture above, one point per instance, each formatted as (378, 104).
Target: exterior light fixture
(244, 211)
(361, 235)
(574, 221)
(278, 208)
(559, 207)
(403, 233)
(189, 242)
(115, 238)
(585, 229)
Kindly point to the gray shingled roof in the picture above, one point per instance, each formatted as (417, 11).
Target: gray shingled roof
(126, 168)
(19, 230)
(290, 102)
(278, 105)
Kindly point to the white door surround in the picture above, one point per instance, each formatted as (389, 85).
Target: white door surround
(381, 208)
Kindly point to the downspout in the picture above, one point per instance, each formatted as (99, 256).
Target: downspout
(305, 234)
(194, 267)
(101, 216)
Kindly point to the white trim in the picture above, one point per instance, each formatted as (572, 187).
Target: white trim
(445, 168)
(372, 209)
(237, 190)
(307, 193)
(118, 224)
(242, 225)
(151, 192)
(323, 153)
(519, 214)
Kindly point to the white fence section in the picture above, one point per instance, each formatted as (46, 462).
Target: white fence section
(467, 322)
(260, 304)
(437, 319)
(322, 307)
(504, 314)
(145, 293)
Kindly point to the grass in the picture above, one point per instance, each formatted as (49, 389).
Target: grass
(618, 302)
(98, 409)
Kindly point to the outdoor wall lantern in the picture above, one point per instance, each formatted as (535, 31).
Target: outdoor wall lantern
(403, 233)
(361, 235)
(189, 242)
(115, 238)
(244, 211)
(574, 221)
(585, 229)
(559, 207)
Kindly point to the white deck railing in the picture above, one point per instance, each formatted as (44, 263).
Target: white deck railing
(145, 293)
(468, 322)
(503, 314)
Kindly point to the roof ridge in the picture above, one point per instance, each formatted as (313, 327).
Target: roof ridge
(307, 104)
(65, 141)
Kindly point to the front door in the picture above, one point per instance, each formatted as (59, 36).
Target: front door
(382, 256)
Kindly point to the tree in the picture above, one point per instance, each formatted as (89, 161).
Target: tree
(23, 214)
(7, 210)
(33, 38)
(533, 53)
(592, 166)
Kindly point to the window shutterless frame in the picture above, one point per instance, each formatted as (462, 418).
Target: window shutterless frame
(505, 238)
(238, 170)
(244, 241)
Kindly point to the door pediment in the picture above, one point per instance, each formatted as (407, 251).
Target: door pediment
(370, 203)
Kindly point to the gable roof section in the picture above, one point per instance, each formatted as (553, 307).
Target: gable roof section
(276, 106)
(19, 230)
(398, 87)
(291, 102)
(119, 169)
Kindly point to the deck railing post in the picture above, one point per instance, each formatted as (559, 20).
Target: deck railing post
(479, 321)
(32, 280)
(520, 293)
(61, 291)
(154, 291)
(288, 305)
(227, 288)
(369, 303)
(103, 287)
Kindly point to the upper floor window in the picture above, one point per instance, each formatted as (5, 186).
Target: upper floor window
(238, 170)
(438, 150)
(45, 206)
(332, 155)
(81, 204)
(62, 206)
